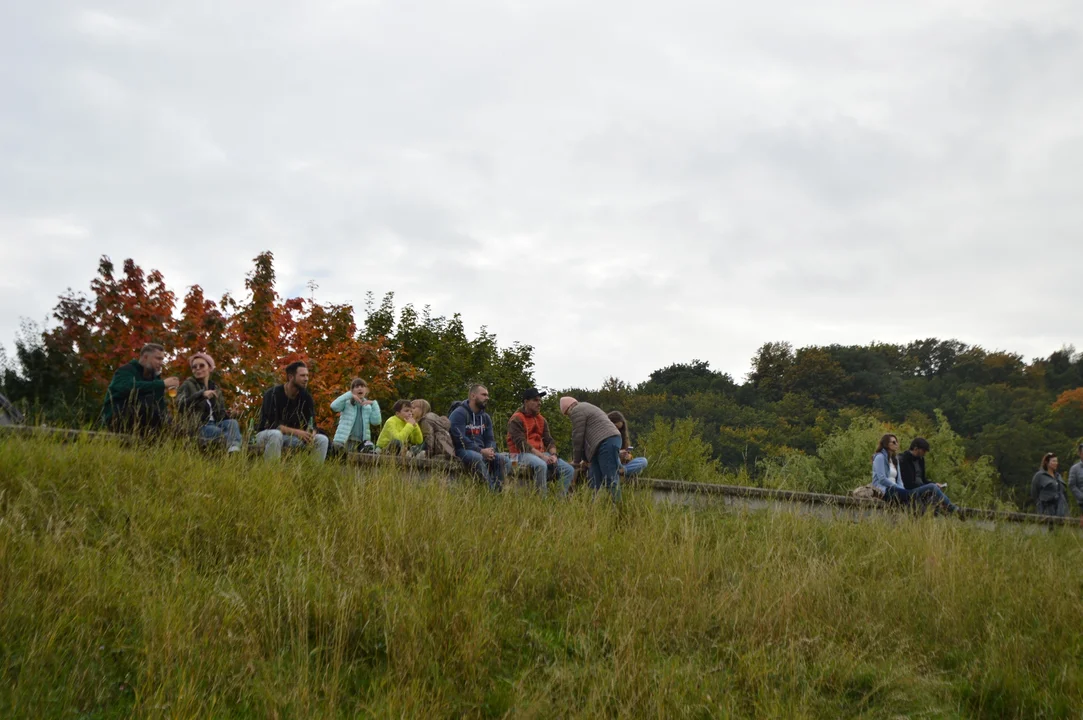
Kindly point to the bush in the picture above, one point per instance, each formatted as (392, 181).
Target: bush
(677, 451)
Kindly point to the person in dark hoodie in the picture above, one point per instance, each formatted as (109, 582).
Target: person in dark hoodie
(472, 436)
(135, 400)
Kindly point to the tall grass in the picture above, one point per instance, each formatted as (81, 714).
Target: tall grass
(166, 582)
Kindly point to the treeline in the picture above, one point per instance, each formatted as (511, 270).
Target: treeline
(794, 406)
(1001, 406)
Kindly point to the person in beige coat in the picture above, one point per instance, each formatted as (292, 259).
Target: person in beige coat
(596, 443)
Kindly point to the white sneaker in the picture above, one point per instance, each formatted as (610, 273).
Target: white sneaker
(233, 449)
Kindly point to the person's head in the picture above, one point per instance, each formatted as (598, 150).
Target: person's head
(403, 409)
(202, 365)
(1081, 451)
(421, 408)
(532, 401)
(1050, 462)
(617, 418)
(919, 446)
(297, 374)
(479, 397)
(152, 357)
(359, 387)
(890, 443)
(567, 403)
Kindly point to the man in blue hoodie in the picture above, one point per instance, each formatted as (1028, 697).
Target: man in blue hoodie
(472, 436)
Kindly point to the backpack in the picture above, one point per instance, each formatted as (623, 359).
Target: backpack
(438, 444)
(867, 492)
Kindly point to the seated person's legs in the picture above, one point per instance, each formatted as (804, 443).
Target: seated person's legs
(474, 462)
(319, 446)
(635, 466)
(232, 430)
(271, 441)
(496, 472)
(395, 447)
(565, 472)
(932, 493)
(538, 467)
(210, 432)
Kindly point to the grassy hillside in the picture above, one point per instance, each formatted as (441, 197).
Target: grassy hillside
(168, 583)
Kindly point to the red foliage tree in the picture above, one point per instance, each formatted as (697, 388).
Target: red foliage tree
(251, 341)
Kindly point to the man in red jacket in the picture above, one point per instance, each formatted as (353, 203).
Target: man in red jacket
(530, 443)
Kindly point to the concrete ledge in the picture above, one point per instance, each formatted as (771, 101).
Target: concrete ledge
(732, 494)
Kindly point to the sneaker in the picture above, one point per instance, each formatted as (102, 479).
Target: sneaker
(233, 448)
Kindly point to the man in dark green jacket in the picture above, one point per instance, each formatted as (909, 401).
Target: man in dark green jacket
(135, 400)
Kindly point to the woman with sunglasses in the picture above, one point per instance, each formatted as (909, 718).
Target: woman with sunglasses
(200, 400)
(1047, 488)
(887, 479)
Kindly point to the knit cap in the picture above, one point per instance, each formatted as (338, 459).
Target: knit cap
(566, 404)
(205, 357)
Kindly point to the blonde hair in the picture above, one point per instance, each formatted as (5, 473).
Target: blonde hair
(423, 406)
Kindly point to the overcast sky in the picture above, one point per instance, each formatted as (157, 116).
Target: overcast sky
(622, 184)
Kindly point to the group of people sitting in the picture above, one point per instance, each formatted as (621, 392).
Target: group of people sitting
(136, 402)
(900, 479)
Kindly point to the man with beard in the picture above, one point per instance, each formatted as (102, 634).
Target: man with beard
(530, 441)
(288, 417)
(135, 401)
(472, 436)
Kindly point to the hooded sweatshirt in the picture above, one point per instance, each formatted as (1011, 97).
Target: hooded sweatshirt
(471, 430)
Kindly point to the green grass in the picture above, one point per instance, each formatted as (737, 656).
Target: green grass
(168, 583)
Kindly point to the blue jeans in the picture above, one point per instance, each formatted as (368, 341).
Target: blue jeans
(272, 442)
(635, 466)
(605, 467)
(543, 472)
(228, 429)
(491, 471)
(929, 492)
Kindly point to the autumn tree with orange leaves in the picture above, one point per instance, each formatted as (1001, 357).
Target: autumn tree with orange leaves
(251, 339)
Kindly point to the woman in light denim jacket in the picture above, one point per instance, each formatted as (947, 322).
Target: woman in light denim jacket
(886, 478)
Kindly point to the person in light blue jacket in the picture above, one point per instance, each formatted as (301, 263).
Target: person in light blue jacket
(886, 478)
(359, 415)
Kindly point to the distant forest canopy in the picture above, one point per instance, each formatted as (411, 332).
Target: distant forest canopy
(791, 401)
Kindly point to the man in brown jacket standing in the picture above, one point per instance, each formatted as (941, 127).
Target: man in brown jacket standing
(595, 440)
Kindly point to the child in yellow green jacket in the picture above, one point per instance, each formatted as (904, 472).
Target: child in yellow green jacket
(401, 433)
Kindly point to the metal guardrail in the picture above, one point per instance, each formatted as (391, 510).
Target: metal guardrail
(682, 488)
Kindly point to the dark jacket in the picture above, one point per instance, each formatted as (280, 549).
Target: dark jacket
(134, 401)
(196, 409)
(590, 426)
(470, 430)
(1047, 492)
(909, 467)
(298, 413)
